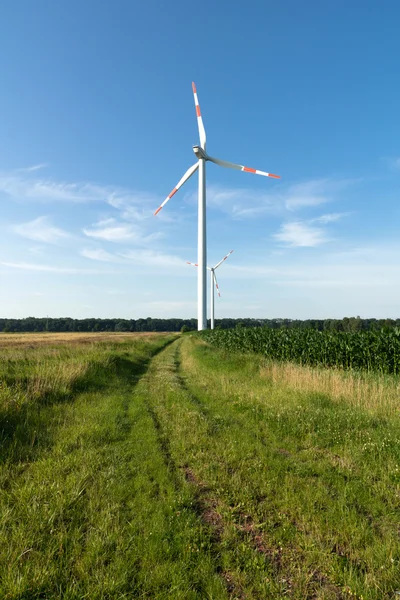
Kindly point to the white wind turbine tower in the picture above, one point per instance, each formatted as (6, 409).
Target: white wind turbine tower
(203, 157)
(213, 280)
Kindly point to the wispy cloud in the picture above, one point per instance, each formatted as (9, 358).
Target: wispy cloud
(48, 268)
(308, 193)
(111, 230)
(98, 254)
(315, 192)
(37, 250)
(281, 198)
(330, 217)
(240, 202)
(370, 266)
(152, 258)
(139, 257)
(41, 230)
(134, 206)
(300, 234)
(391, 162)
(306, 233)
(32, 168)
(23, 188)
(24, 185)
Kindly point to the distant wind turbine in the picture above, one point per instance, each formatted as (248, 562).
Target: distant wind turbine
(213, 280)
(203, 157)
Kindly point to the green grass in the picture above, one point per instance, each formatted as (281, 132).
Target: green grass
(149, 469)
(91, 511)
(307, 488)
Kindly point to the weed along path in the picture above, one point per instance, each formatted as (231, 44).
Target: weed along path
(164, 468)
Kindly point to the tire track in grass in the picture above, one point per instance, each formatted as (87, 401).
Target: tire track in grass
(226, 525)
(204, 505)
(211, 510)
(180, 378)
(208, 505)
(164, 446)
(214, 423)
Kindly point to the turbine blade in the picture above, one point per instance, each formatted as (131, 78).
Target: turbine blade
(229, 165)
(196, 265)
(186, 176)
(221, 261)
(202, 131)
(216, 284)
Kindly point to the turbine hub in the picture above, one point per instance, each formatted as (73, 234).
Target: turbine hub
(199, 152)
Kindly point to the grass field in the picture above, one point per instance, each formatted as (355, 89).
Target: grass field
(33, 339)
(158, 467)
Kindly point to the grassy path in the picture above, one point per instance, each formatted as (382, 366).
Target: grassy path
(302, 492)
(171, 470)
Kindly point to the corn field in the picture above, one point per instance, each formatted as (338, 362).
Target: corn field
(365, 350)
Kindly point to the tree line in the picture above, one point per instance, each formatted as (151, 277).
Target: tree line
(35, 324)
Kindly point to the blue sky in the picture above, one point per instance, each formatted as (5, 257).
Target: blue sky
(97, 127)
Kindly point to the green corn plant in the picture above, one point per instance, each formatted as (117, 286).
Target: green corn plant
(360, 350)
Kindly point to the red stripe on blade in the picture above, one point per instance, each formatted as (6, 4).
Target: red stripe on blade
(173, 193)
(248, 170)
(158, 210)
(193, 88)
(198, 110)
(274, 176)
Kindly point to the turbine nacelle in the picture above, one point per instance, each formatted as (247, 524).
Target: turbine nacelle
(212, 283)
(200, 153)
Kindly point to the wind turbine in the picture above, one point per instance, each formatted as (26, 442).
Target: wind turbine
(213, 281)
(200, 165)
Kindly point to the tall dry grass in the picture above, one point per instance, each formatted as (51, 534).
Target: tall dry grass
(373, 392)
(42, 366)
(24, 340)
